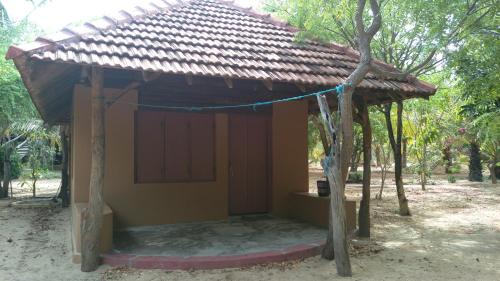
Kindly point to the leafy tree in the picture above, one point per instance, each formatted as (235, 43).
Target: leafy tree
(415, 37)
(15, 103)
(422, 128)
(41, 141)
(476, 65)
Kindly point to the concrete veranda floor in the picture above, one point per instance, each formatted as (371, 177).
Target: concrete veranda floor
(237, 236)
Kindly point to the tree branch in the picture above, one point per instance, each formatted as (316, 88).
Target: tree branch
(377, 19)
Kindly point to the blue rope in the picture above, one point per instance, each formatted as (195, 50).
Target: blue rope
(338, 89)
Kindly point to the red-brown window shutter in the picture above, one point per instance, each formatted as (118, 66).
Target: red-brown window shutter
(175, 147)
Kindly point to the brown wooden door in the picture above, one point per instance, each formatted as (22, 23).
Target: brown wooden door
(249, 163)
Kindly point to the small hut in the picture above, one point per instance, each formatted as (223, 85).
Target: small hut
(167, 161)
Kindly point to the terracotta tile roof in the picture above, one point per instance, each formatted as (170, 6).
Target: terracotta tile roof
(209, 38)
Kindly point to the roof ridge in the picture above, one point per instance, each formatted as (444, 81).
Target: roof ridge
(96, 26)
(251, 11)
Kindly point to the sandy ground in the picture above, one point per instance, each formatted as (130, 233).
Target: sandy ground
(453, 234)
(44, 188)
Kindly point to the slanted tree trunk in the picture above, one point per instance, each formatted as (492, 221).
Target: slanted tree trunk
(475, 167)
(383, 171)
(332, 166)
(327, 252)
(364, 206)
(336, 163)
(64, 193)
(92, 216)
(404, 210)
(8, 150)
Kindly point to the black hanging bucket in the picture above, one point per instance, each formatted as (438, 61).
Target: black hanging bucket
(323, 188)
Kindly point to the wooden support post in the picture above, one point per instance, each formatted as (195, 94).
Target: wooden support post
(229, 82)
(364, 206)
(268, 84)
(332, 166)
(92, 216)
(189, 79)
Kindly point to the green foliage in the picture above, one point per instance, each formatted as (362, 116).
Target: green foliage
(452, 179)
(411, 33)
(15, 103)
(455, 169)
(355, 177)
(16, 165)
(476, 65)
(41, 143)
(314, 145)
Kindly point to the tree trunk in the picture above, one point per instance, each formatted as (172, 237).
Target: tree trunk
(492, 166)
(404, 210)
(377, 155)
(336, 164)
(4, 191)
(493, 176)
(356, 155)
(64, 193)
(475, 167)
(383, 172)
(34, 184)
(422, 180)
(448, 160)
(92, 217)
(327, 252)
(333, 165)
(423, 172)
(405, 153)
(364, 207)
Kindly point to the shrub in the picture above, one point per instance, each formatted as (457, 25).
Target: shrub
(355, 177)
(452, 179)
(16, 166)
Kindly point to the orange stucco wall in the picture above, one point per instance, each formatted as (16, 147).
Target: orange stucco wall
(289, 145)
(144, 204)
